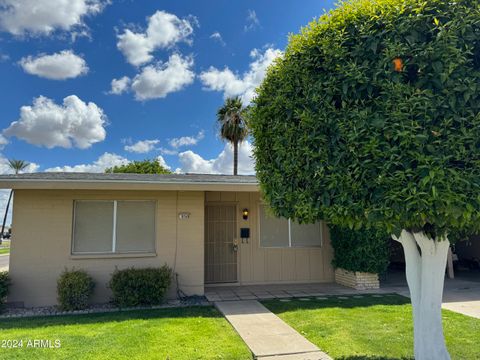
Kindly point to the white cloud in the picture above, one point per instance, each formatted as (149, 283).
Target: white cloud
(42, 17)
(252, 21)
(235, 85)
(119, 86)
(142, 146)
(163, 31)
(218, 37)
(106, 160)
(74, 123)
(163, 163)
(165, 151)
(223, 164)
(157, 81)
(58, 66)
(3, 141)
(187, 140)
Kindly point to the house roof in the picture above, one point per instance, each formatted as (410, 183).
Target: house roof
(101, 181)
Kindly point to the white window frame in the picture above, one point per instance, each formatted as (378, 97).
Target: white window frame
(289, 236)
(114, 230)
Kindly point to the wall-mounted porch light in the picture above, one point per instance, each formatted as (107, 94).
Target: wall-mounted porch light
(245, 214)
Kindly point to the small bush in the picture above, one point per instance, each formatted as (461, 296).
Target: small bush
(360, 250)
(136, 287)
(4, 287)
(74, 289)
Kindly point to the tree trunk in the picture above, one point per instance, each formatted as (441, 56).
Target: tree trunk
(235, 158)
(425, 261)
(5, 216)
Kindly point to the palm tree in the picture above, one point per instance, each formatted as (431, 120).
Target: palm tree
(16, 166)
(233, 127)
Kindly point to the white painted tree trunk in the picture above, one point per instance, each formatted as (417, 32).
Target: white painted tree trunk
(426, 260)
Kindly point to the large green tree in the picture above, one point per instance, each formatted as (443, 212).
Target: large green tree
(233, 127)
(371, 119)
(140, 167)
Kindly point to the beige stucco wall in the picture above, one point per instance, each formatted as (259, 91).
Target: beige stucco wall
(42, 234)
(259, 265)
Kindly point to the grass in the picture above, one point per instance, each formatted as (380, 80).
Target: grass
(5, 247)
(181, 333)
(372, 328)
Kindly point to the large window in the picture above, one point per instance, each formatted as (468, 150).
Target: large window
(281, 232)
(112, 226)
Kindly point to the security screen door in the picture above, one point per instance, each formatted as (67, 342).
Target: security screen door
(220, 253)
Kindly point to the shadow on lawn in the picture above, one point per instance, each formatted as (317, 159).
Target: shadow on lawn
(350, 302)
(119, 316)
(366, 357)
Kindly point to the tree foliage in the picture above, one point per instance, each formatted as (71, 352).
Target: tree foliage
(17, 165)
(365, 250)
(233, 125)
(372, 117)
(140, 167)
(231, 120)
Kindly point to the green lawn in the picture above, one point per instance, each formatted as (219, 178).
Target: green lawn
(182, 333)
(372, 328)
(5, 247)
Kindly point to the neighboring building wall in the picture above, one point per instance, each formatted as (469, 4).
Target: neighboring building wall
(42, 236)
(259, 265)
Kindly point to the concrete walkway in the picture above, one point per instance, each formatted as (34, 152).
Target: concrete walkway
(278, 291)
(267, 336)
(461, 297)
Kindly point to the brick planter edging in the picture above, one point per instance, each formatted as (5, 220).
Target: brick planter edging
(357, 280)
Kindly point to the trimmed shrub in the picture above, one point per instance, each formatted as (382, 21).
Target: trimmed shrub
(136, 287)
(360, 250)
(4, 287)
(74, 289)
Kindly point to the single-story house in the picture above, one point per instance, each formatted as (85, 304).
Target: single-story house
(211, 229)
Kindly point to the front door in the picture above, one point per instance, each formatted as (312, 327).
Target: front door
(220, 249)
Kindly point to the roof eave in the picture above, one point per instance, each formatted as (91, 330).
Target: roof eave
(39, 184)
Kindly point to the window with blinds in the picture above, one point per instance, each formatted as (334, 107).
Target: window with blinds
(111, 226)
(284, 233)
(274, 231)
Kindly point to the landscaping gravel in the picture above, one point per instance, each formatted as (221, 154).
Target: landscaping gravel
(18, 312)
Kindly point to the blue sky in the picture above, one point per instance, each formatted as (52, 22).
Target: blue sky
(175, 61)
